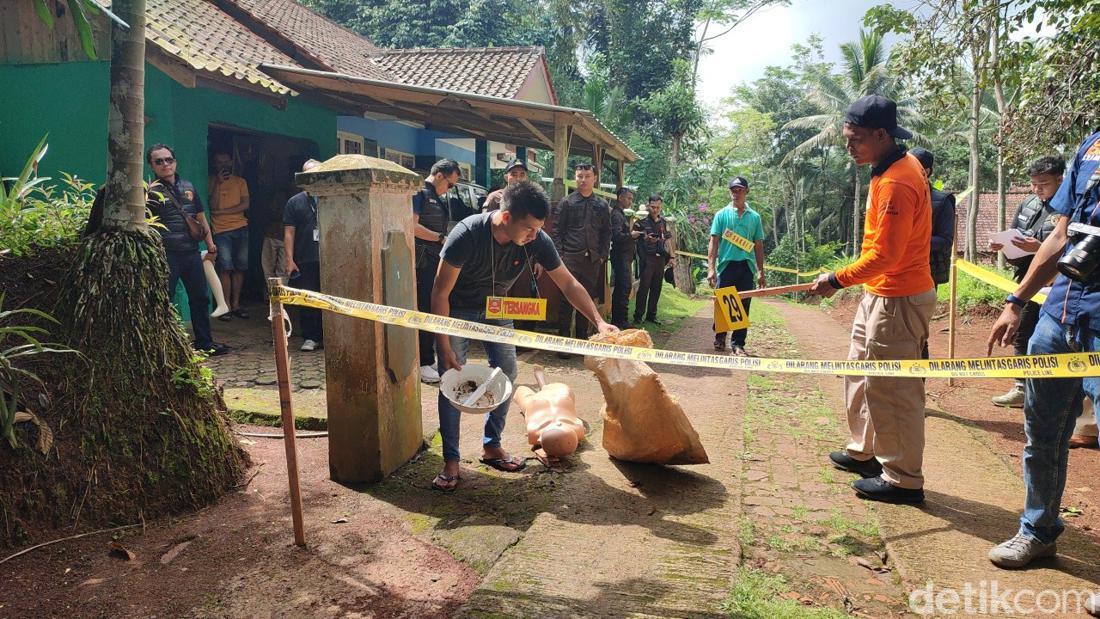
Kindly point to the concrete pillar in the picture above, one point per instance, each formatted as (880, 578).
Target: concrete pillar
(373, 390)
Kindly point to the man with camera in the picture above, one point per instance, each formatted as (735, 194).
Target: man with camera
(1034, 220)
(1069, 322)
(653, 257)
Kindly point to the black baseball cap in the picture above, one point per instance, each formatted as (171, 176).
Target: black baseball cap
(739, 181)
(515, 163)
(923, 156)
(876, 112)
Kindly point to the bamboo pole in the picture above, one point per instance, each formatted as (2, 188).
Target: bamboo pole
(282, 371)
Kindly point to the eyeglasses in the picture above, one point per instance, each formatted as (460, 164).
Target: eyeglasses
(164, 161)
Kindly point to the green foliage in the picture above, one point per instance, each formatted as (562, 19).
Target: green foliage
(805, 257)
(34, 213)
(19, 341)
(195, 376)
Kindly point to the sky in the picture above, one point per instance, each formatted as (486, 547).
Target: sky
(766, 39)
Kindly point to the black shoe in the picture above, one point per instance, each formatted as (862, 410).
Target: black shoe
(720, 346)
(878, 489)
(638, 321)
(214, 350)
(564, 355)
(865, 468)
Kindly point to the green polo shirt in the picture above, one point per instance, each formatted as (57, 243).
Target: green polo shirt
(747, 225)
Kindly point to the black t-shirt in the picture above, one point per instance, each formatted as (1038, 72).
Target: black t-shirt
(472, 248)
(301, 212)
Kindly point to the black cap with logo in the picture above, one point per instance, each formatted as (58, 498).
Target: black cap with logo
(513, 164)
(876, 112)
(739, 181)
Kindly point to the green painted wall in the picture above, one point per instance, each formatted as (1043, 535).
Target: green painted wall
(69, 102)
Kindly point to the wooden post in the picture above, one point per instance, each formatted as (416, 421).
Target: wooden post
(620, 169)
(561, 160)
(282, 372)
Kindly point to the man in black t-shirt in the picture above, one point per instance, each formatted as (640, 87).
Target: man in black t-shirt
(302, 244)
(482, 257)
(431, 216)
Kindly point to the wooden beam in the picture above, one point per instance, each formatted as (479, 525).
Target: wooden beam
(561, 160)
(538, 134)
(183, 75)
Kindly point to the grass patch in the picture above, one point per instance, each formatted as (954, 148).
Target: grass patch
(746, 533)
(972, 293)
(759, 595)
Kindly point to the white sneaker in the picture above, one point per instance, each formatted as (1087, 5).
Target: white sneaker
(428, 375)
(1019, 551)
(1092, 605)
(310, 346)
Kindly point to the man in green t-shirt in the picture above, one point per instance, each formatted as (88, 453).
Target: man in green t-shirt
(736, 255)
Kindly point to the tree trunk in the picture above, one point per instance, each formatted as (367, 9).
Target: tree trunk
(998, 92)
(674, 152)
(124, 199)
(977, 63)
(682, 268)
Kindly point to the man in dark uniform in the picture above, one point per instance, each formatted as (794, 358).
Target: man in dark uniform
(514, 172)
(943, 226)
(622, 255)
(1035, 219)
(653, 257)
(173, 200)
(582, 235)
(430, 217)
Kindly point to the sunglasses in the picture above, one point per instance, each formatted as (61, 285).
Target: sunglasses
(164, 161)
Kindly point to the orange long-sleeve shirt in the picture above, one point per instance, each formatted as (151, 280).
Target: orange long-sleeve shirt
(893, 260)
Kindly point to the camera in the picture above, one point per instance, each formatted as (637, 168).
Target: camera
(1080, 262)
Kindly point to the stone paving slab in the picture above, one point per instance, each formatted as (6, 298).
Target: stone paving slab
(627, 540)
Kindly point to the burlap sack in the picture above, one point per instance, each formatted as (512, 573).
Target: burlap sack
(642, 422)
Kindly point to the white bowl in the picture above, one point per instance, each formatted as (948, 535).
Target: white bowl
(500, 388)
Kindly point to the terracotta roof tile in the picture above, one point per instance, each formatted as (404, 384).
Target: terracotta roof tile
(490, 71)
(338, 48)
(987, 216)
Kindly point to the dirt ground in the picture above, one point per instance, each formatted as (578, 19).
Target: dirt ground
(1003, 428)
(642, 540)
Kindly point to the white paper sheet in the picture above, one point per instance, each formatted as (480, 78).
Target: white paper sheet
(1004, 237)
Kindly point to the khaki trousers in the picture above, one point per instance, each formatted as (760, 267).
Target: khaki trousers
(886, 414)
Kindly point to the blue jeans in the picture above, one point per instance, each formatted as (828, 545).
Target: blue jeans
(232, 249)
(1051, 407)
(187, 266)
(501, 356)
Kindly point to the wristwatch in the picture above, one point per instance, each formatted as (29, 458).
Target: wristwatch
(442, 237)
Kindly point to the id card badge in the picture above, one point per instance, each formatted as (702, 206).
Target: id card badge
(738, 241)
(316, 235)
(515, 308)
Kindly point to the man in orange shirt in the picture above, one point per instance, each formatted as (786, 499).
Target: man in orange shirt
(228, 203)
(886, 414)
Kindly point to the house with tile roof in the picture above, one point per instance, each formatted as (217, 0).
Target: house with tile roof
(274, 83)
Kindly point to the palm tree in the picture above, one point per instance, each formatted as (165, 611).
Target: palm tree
(865, 72)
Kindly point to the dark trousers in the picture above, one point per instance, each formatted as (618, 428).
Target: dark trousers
(569, 318)
(738, 274)
(187, 266)
(587, 273)
(425, 279)
(309, 278)
(649, 288)
(1029, 318)
(623, 282)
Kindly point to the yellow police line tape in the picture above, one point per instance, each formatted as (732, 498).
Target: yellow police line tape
(767, 267)
(1066, 365)
(993, 279)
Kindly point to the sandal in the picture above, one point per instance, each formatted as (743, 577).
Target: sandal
(445, 483)
(511, 464)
